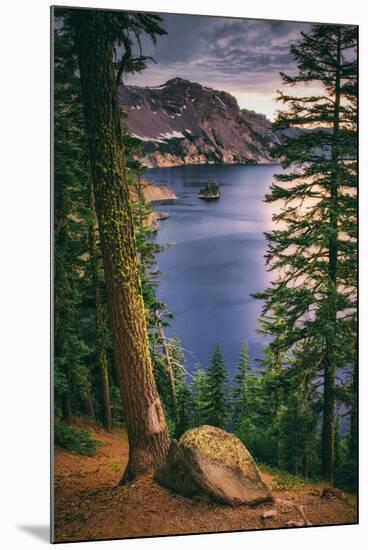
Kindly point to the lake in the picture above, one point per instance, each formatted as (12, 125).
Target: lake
(218, 257)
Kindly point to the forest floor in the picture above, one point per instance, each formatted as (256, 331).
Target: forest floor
(90, 505)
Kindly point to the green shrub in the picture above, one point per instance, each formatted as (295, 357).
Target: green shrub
(75, 439)
(283, 481)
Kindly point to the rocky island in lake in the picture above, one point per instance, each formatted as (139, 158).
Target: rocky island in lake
(210, 191)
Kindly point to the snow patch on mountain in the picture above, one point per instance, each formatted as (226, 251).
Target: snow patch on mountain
(183, 122)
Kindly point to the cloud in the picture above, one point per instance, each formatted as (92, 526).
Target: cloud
(242, 56)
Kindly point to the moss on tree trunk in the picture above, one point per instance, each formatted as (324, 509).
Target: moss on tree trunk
(146, 425)
(100, 345)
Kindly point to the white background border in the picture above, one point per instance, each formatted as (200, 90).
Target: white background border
(24, 288)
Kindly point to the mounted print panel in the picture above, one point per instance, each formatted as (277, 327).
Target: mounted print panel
(205, 274)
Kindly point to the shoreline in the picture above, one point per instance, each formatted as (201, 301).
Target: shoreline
(213, 164)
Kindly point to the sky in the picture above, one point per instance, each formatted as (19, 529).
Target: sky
(240, 56)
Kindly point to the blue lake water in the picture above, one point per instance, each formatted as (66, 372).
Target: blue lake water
(218, 257)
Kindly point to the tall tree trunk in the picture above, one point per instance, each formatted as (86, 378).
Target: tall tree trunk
(353, 436)
(66, 409)
(88, 407)
(328, 421)
(100, 345)
(330, 361)
(146, 425)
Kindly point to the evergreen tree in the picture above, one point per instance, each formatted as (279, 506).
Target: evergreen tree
(353, 432)
(77, 258)
(72, 377)
(200, 395)
(258, 424)
(184, 397)
(314, 252)
(240, 391)
(272, 381)
(84, 379)
(246, 402)
(185, 408)
(297, 430)
(217, 411)
(96, 33)
(274, 324)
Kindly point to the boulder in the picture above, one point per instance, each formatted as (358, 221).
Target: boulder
(152, 222)
(162, 216)
(210, 461)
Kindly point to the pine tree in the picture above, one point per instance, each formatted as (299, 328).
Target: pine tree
(274, 324)
(258, 427)
(86, 388)
(185, 408)
(184, 404)
(77, 258)
(247, 402)
(96, 33)
(274, 361)
(200, 395)
(217, 412)
(353, 432)
(298, 419)
(314, 251)
(240, 391)
(71, 375)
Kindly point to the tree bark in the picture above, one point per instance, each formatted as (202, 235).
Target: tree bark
(330, 360)
(99, 322)
(66, 409)
(146, 425)
(328, 422)
(88, 407)
(353, 436)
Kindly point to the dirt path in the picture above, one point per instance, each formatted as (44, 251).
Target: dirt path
(89, 504)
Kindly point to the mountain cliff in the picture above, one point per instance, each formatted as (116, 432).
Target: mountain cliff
(181, 122)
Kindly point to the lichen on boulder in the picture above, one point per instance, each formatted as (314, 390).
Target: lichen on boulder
(210, 461)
